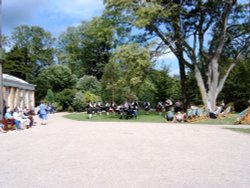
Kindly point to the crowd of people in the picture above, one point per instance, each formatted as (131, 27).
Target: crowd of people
(173, 111)
(127, 110)
(23, 117)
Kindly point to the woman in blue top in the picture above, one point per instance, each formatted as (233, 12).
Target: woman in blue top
(43, 113)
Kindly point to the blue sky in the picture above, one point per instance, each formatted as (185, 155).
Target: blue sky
(56, 15)
(52, 15)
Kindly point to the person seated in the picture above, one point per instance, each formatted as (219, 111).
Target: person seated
(18, 115)
(214, 114)
(179, 117)
(8, 116)
(29, 113)
(2, 128)
(170, 116)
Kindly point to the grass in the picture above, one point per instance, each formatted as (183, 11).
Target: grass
(223, 121)
(143, 117)
(241, 130)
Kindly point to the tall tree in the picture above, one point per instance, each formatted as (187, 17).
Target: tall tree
(237, 86)
(165, 85)
(86, 48)
(37, 42)
(59, 77)
(17, 63)
(198, 33)
(131, 64)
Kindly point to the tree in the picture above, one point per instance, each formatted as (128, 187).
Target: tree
(59, 77)
(42, 86)
(89, 83)
(50, 96)
(165, 85)
(86, 48)
(65, 98)
(198, 32)
(132, 65)
(17, 63)
(79, 101)
(237, 86)
(37, 43)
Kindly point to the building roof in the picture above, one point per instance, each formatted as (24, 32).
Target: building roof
(12, 81)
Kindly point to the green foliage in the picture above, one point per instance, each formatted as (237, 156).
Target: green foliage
(194, 31)
(88, 96)
(70, 109)
(57, 106)
(79, 102)
(59, 77)
(50, 96)
(37, 42)
(130, 65)
(237, 87)
(65, 98)
(193, 90)
(166, 86)
(17, 63)
(86, 48)
(89, 83)
(42, 86)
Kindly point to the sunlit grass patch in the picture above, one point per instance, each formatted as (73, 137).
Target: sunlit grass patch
(242, 130)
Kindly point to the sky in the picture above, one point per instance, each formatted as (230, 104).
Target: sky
(56, 15)
(52, 15)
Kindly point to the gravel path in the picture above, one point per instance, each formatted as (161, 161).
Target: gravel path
(74, 154)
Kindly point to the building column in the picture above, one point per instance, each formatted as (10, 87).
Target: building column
(11, 98)
(32, 97)
(4, 93)
(17, 98)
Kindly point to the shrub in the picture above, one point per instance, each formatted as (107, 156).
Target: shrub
(58, 107)
(70, 109)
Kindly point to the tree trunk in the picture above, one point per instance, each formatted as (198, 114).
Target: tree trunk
(183, 81)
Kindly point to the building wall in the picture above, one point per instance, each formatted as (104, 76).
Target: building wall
(18, 97)
(18, 93)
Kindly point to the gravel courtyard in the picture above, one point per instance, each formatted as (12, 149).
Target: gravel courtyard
(74, 154)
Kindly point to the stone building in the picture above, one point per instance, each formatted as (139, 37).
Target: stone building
(17, 92)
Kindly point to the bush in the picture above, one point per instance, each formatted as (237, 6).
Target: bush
(79, 102)
(240, 105)
(58, 107)
(65, 98)
(70, 109)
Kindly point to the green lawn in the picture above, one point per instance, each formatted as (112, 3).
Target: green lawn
(223, 121)
(152, 117)
(142, 117)
(242, 130)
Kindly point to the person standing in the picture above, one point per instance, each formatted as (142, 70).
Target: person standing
(89, 109)
(43, 113)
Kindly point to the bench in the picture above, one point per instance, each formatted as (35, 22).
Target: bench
(8, 123)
